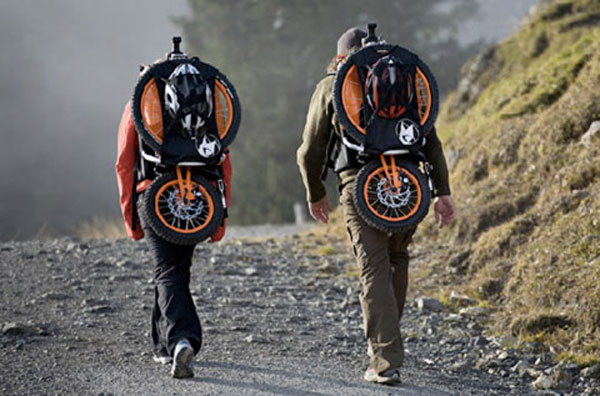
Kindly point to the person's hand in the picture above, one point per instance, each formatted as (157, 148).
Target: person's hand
(444, 210)
(320, 210)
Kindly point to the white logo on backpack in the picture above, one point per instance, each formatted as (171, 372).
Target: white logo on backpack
(208, 146)
(407, 131)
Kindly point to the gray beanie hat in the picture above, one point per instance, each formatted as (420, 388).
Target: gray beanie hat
(351, 38)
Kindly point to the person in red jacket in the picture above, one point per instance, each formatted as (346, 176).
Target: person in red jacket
(176, 329)
(127, 157)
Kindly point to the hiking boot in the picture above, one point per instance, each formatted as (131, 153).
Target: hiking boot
(162, 356)
(182, 360)
(389, 377)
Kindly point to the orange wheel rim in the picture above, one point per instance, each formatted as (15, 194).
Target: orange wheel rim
(179, 216)
(390, 207)
(352, 98)
(152, 111)
(423, 96)
(223, 109)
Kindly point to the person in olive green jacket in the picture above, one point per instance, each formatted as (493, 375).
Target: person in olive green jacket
(381, 257)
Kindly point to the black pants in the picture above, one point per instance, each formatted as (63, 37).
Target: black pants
(174, 314)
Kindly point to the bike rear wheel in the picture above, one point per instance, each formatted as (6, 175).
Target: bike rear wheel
(349, 89)
(148, 103)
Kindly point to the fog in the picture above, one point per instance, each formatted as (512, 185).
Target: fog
(66, 70)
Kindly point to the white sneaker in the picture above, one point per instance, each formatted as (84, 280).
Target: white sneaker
(164, 360)
(182, 360)
(162, 356)
(390, 377)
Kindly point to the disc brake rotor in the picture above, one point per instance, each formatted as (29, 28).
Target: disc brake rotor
(393, 199)
(184, 211)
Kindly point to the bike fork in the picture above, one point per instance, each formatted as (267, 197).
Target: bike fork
(391, 171)
(185, 186)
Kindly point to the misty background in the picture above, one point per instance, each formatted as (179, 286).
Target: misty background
(68, 67)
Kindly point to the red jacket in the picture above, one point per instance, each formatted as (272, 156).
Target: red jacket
(127, 154)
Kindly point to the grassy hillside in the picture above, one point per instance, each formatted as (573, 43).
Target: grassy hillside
(527, 241)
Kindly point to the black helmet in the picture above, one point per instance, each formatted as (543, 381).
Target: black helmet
(188, 97)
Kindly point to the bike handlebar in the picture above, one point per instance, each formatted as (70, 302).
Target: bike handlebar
(176, 42)
(371, 37)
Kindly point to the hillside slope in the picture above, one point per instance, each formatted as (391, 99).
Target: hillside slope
(523, 150)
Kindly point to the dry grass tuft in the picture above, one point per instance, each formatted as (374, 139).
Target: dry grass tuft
(100, 228)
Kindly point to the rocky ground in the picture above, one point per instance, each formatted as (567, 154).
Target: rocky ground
(278, 318)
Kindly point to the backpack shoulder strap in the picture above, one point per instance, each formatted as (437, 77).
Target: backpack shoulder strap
(333, 149)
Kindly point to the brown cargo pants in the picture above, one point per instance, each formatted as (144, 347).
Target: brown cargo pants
(383, 262)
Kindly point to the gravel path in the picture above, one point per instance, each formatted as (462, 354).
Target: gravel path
(277, 317)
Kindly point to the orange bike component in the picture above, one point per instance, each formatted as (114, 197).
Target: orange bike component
(174, 184)
(381, 173)
(188, 181)
(423, 112)
(223, 109)
(152, 111)
(352, 98)
(396, 182)
(391, 174)
(185, 186)
(180, 182)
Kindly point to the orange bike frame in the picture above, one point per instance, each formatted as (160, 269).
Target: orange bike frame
(391, 174)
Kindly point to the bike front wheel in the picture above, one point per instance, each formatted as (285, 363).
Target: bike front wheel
(387, 205)
(184, 215)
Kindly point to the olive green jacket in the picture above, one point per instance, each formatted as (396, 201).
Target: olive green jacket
(321, 122)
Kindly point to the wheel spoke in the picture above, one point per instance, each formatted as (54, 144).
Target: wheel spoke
(402, 212)
(386, 210)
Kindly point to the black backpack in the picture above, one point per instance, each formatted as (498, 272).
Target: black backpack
(186, 113)
(386, 102)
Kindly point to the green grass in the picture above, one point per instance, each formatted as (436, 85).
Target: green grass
(326, 250)
(582, 360)
(526, 188)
